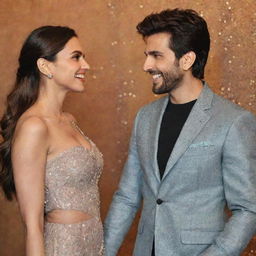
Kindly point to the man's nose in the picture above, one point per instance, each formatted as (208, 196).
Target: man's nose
(148, 64)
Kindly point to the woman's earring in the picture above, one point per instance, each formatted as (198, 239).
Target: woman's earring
(50, 76)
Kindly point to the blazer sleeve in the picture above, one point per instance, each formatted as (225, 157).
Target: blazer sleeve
(126, 200)
(239, 181)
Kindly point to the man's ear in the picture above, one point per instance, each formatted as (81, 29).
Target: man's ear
(187, 60)
(43, 66)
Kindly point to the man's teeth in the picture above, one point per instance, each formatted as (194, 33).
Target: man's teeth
(80, 76)
(156, 76)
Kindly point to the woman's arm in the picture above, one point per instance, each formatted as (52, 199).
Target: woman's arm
(29, 151)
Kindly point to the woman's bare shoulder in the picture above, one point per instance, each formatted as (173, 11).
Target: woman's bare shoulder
(31, 125)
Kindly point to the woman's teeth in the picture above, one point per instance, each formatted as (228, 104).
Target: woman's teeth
(80, 76)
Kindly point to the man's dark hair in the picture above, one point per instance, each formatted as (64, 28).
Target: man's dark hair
(188, 32)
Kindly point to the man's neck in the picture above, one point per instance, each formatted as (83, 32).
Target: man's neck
(189, 90)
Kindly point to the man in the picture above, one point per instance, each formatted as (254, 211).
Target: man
(191, 154)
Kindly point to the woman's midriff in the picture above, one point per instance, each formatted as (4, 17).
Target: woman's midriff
(66, 216)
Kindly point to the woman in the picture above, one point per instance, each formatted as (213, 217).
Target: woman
(50, 166)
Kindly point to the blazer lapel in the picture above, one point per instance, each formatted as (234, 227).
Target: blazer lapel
(154, 134)
(192, 127)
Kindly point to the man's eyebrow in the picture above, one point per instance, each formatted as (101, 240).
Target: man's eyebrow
(153, 53)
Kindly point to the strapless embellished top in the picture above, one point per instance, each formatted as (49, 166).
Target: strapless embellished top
(71, 181)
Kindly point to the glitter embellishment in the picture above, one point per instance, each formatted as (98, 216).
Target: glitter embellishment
(72, 184)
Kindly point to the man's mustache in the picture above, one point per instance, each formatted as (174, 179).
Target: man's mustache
(154, 72)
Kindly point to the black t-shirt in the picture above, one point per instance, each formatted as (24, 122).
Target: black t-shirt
(174, 118)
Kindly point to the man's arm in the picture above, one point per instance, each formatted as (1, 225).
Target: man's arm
(126, 200)
(239, 180)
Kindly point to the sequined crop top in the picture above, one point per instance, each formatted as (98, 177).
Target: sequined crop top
(71, 181)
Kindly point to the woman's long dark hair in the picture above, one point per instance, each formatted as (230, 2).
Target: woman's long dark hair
(43, 42)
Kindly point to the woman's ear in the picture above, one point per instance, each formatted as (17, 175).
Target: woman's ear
(187, 60)
(43, 66)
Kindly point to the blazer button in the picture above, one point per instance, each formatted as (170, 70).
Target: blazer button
(159, 201)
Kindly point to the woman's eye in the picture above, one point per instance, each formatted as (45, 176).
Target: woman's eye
(76, 57)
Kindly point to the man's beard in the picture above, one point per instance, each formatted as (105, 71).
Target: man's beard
(171, 81)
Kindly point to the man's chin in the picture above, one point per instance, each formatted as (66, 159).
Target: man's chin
(156, 89)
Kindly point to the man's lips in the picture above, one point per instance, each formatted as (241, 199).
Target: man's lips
(157, 76)
(154, 73)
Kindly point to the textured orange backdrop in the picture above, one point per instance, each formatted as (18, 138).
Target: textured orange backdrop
(116, 86)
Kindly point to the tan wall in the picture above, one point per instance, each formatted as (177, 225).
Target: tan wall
(116, 85)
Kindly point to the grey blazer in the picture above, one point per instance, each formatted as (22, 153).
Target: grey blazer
(213, 164)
